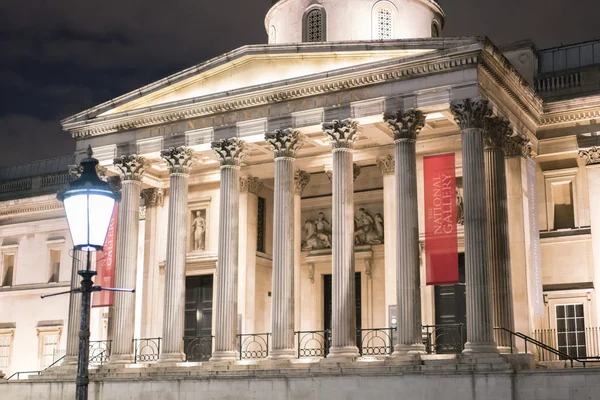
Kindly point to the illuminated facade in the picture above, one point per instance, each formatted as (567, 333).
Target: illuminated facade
(304, 219)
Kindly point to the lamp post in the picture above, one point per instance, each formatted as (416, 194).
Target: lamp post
(89, 203)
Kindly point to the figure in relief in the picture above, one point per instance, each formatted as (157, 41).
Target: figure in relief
(365, 229)
(460, 211)
(318, 234)
(199, 226)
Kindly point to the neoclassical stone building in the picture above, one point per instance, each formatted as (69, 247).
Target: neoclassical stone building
(273, 209)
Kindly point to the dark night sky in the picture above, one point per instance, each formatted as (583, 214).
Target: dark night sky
(59, 57)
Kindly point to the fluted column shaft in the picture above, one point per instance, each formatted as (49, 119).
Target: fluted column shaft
(498, 240)
(179, 161)
(405, 126)
(231, 152)
(74, 310)
(342, 134)
(284, 144)
(471, 118)
(301, 179)
(125, 271)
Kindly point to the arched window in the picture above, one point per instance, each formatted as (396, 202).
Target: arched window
(435, 31)
(384, 23)
(383, 16)
(314, 25)
(272, 35)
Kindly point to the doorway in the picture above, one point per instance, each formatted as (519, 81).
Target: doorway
(198, 317)
(328, 301)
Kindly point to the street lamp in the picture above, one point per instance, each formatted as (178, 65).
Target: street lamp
(89, 203)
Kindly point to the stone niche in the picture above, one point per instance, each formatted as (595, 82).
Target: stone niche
(198, 236)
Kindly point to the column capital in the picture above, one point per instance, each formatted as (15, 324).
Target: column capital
(231, 151)
(591, 155)
(405, 124)
(387, 164)
(285, 142)
(131, 167)
(517, 146)
(341, 134)
(250, 184)
(301, 179)
(496, 130)
(470, 114)
(153, 197)
(179, 159)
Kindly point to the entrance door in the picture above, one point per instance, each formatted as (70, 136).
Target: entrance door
(198, 317)
(449, 334)
(327, 289)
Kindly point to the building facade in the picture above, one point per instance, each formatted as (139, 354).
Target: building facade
(273, 201)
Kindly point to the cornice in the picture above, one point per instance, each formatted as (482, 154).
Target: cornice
(323, 83)
(572, 110)
(497, 66)
(29, 205)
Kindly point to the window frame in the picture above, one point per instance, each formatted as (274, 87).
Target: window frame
(8, 250)
(42, 332)
(562, 176)
(10, 334)
(567, 331)
(391, 7)
(307, 12)
(54, 245)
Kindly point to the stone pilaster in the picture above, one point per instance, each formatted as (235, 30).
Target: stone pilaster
(388, 166)
(496, 133)
(592, 161)
(179, 161)
(285, 144)
(470, 116)
(342, 135)
(406, 125)
(301, 179)
(74, 310)
(131, 168)
(231, 153)
(151, 299)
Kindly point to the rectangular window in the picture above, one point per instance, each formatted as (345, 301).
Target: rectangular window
(562, 196)
(49, 348)
(570, 328)
(5, 350)
(260, 225)
(8, 267)
(54, 265)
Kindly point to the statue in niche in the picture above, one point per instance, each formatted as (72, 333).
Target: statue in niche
(460, 209)
(368, 230)
(199, 227)
(318, 234)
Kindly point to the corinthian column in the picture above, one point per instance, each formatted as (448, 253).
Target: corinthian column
(592, 161)
(131, 168)
(341, 135)
(74, 310)
(301, 179)
(497, 130)
(179, 161)
(285, 144)
(470, 116)
(406, 125)
(231, 152)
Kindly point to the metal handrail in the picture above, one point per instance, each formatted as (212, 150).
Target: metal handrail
(247, 343)
(36, 372)
(375, 341)
(565, 356)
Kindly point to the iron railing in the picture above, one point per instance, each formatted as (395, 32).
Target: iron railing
(582, 344)
(146, 350)
(19, 373)
(313, 343)
(444, 339)
(198, 348)
(375, 341)
(253, 345)
(100, 351)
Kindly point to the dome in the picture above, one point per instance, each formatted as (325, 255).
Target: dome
(294, 21)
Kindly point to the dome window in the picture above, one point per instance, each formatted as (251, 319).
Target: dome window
(314, 25)
(384, 23)
(435, 31)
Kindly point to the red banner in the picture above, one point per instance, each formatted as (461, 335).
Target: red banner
(105, 264)
(441, 242)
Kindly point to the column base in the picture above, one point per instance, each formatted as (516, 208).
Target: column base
(344, 353)
(226, 355)
(120, 359)
(282, 354)
(481, 349)
(171, 358)
(408, 350)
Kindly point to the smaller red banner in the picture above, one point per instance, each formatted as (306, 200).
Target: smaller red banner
(441, 241)
(105, 264)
